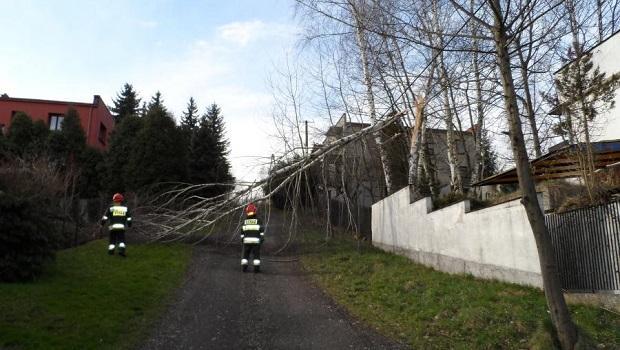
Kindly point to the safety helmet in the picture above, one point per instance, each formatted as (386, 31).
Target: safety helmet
(250, 210)
(117, 198)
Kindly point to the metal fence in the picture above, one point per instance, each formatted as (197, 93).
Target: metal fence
(586, 243)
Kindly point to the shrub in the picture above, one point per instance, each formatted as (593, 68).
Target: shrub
(27, 240)
(29, 202)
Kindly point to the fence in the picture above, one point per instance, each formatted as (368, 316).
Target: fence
(352, 217)
(587, 247)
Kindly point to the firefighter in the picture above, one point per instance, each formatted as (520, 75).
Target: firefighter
(119, 218)
(252, 236)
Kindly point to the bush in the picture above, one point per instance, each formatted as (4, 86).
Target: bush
(27, 239)
(30, 193)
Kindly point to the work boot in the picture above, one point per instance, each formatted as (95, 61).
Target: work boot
(244, 268)
(110, 251)
(256, 269)
(122, 253)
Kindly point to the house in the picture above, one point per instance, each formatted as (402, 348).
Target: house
(437, 150)
(363, 178)
(605, 56)
(95, 117)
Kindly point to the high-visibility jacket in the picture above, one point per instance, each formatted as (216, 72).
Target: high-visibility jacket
(252, 231)
(118, 217)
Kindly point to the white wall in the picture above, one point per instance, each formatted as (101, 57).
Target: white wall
(495, 243)
(606, 57)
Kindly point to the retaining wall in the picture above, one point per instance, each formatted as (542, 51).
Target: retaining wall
(493, 243)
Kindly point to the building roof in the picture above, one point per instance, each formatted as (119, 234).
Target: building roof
(97, 100)
(560, 163)
(34, 100)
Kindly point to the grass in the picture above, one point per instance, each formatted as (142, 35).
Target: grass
(88, 300)
(430, 309)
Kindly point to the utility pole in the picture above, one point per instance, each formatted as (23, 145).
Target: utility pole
(307, 146)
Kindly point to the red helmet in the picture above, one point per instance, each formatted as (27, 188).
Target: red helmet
(117, 198)
(250, 209)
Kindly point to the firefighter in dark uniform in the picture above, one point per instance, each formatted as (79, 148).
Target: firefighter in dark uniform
(118, 217)
(252, 236)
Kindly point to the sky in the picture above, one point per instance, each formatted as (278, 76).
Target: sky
(215, 51)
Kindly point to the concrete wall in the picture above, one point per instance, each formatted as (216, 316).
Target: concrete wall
(494, 243)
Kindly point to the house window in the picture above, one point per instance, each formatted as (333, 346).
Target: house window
(103, 134)
(13, 114)
(55, 121)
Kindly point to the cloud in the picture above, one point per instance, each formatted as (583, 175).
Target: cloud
(242, 33)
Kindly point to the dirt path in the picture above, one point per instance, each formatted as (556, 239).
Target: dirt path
(220, 307)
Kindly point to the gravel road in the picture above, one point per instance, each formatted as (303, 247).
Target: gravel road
(220, 307)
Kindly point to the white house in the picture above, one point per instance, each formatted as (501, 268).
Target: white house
(606, 56)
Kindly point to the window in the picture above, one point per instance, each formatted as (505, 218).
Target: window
(13, 114)
(56, 121)
(103, 134)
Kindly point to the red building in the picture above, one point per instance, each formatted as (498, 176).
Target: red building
(95, 117)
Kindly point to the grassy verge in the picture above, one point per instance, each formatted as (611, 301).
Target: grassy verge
(430, 309)
(88, 300)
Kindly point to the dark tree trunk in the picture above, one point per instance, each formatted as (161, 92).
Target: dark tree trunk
(560, 316)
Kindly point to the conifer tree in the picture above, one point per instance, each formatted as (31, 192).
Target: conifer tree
(584, 92)
(159, 155)
(190, 120)
(156, 102)
(26, 137)
(126, 103)
(66, 144)
(123, 142)
(92, 172)
(21, 133)
(208, 153)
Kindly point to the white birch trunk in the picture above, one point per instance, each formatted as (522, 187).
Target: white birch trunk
(363, 47)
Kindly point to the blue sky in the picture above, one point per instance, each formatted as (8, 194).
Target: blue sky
(215, 51)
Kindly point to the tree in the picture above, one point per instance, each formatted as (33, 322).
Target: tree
(190, 116)
(159, 154)
(488, 161)
(566, 330)
(296, 193)
(126, 103)
(156, 102)
(92, 172)
(190, 123)
(360, 15)
(584, 92)
(66, 144)
(123, 142)
(208, 162)
(21, 133)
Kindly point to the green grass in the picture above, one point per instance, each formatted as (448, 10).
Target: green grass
(90, 300)
(430, 309)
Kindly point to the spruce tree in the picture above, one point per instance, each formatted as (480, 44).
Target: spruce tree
(208, 153)
(123, 142)
(159, 155)
(126, 103)
(157, 102)
(92, 172)
(190, 120)
(199, 157)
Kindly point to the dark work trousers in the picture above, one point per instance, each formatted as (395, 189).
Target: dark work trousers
(251, 249)
(117, 237)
